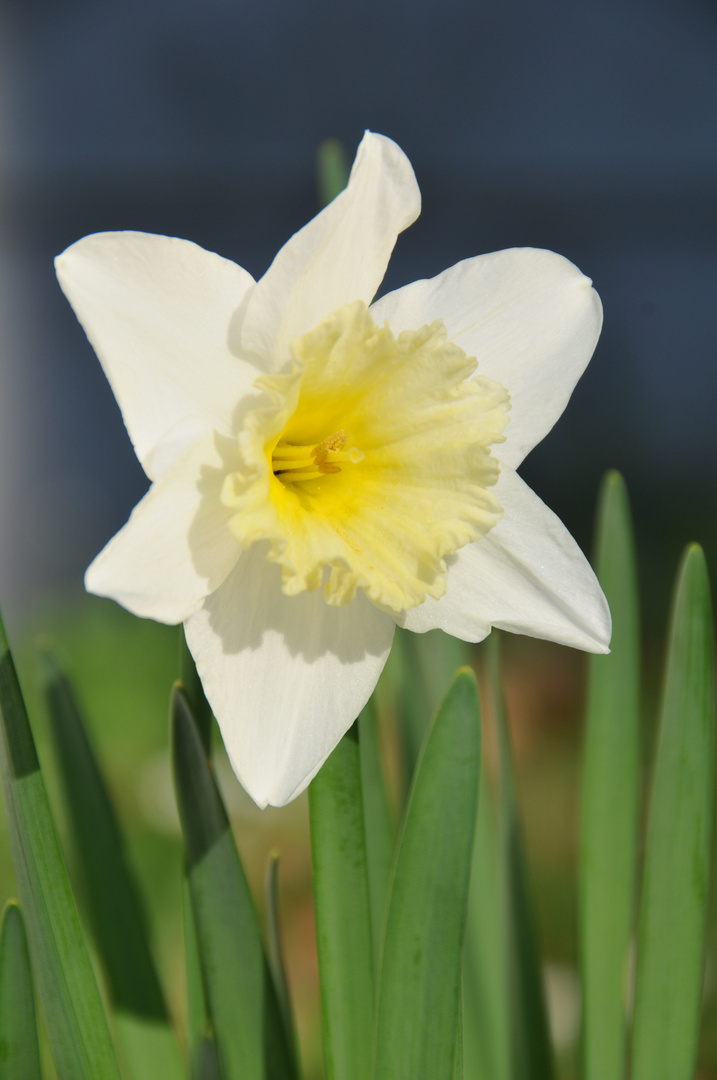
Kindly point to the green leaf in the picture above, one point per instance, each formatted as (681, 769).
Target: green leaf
(610, 798)
(242, 1003)
(415, 709)
(332, 170)
(343, 920)
(71, 1004)
(486, 1020)
(194, 693)
(274, 949)
(670, 948)
(203, 1060)
(378, 821)
(458, 1050)
(531, 1052)
(149, 1048)
(427, 663)
(19, 1052)
(419, 999)
(206, 1066)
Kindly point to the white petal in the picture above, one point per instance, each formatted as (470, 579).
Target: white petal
(529, 316)
(340, 256)
(157, 312)
(176, 547)
(285, 676)
(527, 575)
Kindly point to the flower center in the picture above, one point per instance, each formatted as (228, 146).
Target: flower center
(294, 464)
(369, 461)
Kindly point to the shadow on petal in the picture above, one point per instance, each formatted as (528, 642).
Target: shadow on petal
(250, 607)
(214, 550)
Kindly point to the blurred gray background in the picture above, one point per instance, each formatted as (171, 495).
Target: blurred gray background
(588, 128)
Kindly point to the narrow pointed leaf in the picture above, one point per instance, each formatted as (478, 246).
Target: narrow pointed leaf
(343, 919)
(207, 1065)
(531, 1056)
(378, 821)
(242, 1003)
(148, 1045)
(427, 663)
(610, 798)
(203, 1060)
(419, 998)
(486, 1023)
(458, 1051)
(71, 1004)
(19, 1052)
(274, 948)
(414, 706)
(194, 693)
(332, 170)
(670, 948)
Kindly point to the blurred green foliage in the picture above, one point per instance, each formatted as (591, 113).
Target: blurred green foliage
(126, 709)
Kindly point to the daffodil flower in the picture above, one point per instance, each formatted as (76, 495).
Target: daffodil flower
(323, 467)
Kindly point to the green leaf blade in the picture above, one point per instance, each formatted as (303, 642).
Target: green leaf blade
(610, 798)
(486, 1016)
(148, 1045)
(72, 1008)
(378, 820)
(332, 170)
(246, 1018)
(19, 1051)
(343, 918)
(670, 956)
(203, 1061)
(194, 693)
(275, 953)
(531, 1049)
(419, 986)
(427, 663)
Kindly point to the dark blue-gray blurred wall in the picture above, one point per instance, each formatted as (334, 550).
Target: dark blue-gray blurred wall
(589, 128)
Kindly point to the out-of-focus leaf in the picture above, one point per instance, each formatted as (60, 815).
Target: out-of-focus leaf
(426, 664)
(206, 1065)
(531, 1053)
(486, 1021)
(332, 170)
(670, 948)
(71, 1004)
(194, 693)
(610, 798)
(274, 950)
(148, 1046)
(19, 1053)
(458, 1052)
(378, 820)
(343, 920)
(419, 998)
(203, 1060)
(242, 1002)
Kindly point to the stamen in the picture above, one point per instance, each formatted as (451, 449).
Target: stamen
(332, 443)
(292, 463)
